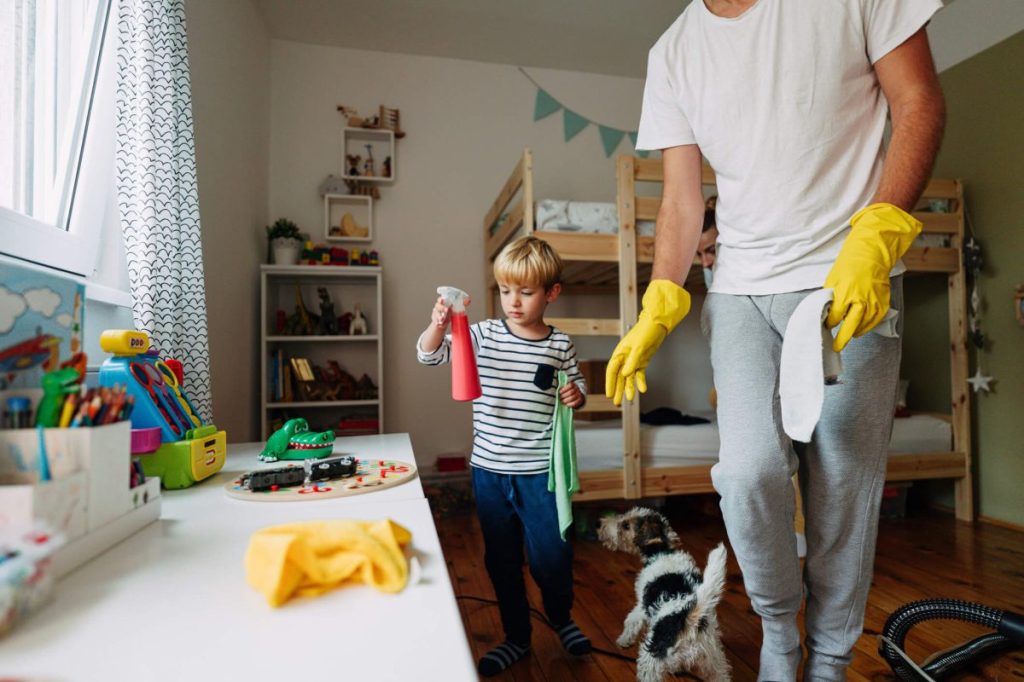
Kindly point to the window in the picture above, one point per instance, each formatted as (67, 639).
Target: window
(50, 51)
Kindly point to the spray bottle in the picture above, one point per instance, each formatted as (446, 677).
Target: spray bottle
(465, 377)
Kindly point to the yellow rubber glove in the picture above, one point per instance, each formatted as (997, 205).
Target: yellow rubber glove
(879, 235)
(665, 304)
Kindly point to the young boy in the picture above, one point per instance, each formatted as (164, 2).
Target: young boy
(519, 359)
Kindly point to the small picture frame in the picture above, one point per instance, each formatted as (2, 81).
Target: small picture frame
(348, 218)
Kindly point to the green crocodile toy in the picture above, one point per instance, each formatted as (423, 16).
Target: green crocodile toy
(295, 441)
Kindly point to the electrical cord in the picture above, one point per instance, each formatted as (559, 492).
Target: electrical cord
(542, 618)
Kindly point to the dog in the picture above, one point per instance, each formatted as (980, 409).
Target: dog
(674, 602)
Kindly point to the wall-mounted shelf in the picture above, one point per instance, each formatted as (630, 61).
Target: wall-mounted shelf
(348, 218)
(365, 143)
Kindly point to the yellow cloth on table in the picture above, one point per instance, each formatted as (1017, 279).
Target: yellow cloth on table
(312, 557)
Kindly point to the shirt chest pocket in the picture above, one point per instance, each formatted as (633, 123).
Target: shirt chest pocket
(544, 377)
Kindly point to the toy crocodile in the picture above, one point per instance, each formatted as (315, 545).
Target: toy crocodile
(294, 440)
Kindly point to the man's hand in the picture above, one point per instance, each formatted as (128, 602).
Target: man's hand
(879, 235)
(665, 304)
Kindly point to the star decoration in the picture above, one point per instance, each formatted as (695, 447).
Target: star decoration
(980, 382)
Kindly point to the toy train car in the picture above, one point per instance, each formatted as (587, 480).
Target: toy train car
(312, 470)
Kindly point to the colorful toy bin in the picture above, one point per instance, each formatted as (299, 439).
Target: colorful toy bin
(190, 450)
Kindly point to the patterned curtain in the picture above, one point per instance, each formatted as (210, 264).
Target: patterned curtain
(156, 187)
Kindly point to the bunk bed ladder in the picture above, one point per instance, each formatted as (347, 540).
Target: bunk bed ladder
(625, 173)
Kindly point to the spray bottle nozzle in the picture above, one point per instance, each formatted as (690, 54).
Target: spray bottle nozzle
(454, 298)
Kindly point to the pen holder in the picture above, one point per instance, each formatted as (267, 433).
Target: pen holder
(99, 455)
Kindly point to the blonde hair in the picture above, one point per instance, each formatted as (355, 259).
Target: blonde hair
(529, 260)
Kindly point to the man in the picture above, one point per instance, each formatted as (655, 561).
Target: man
(788, 100)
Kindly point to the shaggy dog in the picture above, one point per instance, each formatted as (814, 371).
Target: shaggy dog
(673, 601)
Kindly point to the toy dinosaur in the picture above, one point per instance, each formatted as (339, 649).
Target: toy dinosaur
(294, 440)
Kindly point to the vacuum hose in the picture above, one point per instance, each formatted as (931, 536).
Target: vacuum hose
(1009, 633)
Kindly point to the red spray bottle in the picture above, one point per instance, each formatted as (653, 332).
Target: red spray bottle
(465, 377)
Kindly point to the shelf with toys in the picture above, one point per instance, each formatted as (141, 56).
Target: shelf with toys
(322, 347)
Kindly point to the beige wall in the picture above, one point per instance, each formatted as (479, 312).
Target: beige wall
(229, 53)
(467, 123)
(984, 145)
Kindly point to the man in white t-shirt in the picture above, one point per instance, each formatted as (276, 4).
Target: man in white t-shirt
(788, 101)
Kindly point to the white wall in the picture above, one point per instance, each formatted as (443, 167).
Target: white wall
(467, 123)
(229, 53)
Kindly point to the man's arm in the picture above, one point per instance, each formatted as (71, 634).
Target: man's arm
(681, 215)
(909, 82)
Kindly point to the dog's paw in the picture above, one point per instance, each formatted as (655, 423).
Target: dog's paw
(624, 641)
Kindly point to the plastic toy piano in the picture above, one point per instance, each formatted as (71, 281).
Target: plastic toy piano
(190, 450)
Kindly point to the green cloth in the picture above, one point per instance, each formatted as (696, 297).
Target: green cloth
(563, 479)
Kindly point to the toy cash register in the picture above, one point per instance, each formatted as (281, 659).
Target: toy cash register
(190, 450)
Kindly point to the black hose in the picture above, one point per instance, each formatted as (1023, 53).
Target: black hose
(1009, 632)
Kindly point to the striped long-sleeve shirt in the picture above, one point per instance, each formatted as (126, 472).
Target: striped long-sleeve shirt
(519, 378)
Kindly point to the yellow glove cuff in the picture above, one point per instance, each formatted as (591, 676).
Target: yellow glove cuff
(665, 303)
(894, 228)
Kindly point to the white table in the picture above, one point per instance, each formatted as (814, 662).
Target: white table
(171, 602)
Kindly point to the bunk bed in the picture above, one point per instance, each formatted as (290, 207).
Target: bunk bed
(665, 460)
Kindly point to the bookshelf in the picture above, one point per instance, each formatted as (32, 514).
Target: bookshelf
(315, 368)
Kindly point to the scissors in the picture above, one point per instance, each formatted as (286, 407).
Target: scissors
(153, 382)
(171, 379)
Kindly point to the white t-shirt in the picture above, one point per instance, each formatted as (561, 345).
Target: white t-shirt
(784, 104)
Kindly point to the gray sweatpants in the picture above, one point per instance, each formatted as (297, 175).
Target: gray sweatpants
(842, 472)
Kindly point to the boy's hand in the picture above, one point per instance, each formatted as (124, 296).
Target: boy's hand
(439, 315)
(571, 395)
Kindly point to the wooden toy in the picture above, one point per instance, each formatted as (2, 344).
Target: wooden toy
(353, 160)
(371, 475)
(368, 169)
(390, 120)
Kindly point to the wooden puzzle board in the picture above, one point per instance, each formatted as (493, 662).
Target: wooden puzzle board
(371, 475)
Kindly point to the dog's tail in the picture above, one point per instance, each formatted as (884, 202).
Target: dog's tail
(710, 591)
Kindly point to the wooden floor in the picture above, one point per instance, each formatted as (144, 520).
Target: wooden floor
(927, 554)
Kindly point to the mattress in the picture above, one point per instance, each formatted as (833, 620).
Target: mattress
(599, 444)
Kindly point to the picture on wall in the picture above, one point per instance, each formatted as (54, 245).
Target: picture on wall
(40, 324)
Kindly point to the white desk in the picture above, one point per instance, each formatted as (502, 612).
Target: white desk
(171, 602)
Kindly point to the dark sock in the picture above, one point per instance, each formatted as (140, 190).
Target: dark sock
(574, 641)
(501, 657)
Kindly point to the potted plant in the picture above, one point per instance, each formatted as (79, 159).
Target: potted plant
(284, 241)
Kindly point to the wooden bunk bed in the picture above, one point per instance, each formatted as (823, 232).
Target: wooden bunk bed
(620, 264)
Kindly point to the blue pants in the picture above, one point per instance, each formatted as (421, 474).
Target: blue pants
(513, 508)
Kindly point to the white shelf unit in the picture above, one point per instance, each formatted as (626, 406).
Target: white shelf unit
(382, 145)
(336, 206)
(357, 355)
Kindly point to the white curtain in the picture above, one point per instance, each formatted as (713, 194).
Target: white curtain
(156, 186)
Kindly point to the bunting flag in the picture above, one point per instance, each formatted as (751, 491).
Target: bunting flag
(574, 123)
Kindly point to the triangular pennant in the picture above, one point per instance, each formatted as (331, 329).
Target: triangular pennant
(610, 138)
(573, 124)
(632, 138)
(545, 105)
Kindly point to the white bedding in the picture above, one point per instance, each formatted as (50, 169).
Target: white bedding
(559, 215)
(562, 215)
(599, 444)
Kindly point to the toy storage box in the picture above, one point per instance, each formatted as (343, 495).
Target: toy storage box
(101, 454)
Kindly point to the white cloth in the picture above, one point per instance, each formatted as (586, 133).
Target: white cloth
(784, 104)
(809, 364)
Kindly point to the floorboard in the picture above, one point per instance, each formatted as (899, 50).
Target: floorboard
(926, 554)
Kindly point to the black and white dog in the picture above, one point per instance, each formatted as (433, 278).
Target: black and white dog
(674, 602)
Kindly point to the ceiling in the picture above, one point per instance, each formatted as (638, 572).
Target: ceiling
(598, 36)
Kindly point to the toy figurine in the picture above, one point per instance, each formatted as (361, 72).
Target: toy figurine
(368, 170)
(385, 171)
(294, 440)
(328, 321)
(358, 325)
(374, 258)
(353, 164)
